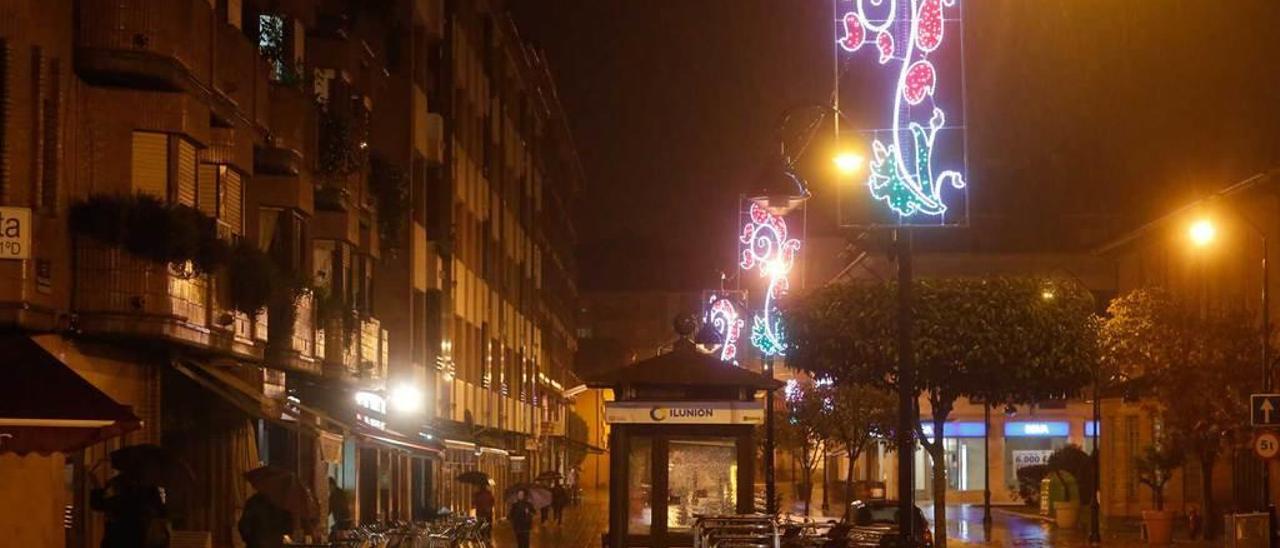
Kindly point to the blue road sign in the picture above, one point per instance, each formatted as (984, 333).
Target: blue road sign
(1264, 409)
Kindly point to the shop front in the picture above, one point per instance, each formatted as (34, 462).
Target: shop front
(682, 444)
(1030, 443)
(965, 456)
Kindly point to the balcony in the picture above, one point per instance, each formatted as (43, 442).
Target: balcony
(297, 349)
(117, 294)
(231, 146)
(292, 132)
(356, 355)
(241, 78)
(145, 43)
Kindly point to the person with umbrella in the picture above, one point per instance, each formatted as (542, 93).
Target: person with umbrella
(280, 503)
(521, 516)
(559, 499)
(133, 500)
(483, 502)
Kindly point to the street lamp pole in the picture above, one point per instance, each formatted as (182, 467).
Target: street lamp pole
(1095, 511)
(1266, 381)
(986, 470)
(907, 417)
(770, 503)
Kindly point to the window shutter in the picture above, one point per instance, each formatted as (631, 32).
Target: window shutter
(186, 173)
(207, 198)
(234, 13)
(232, 201)
(151, 164)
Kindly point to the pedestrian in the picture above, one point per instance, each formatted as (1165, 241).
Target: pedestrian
(339, 508)
(135, 512)
(263, 524)
(559, 499)
(521, 516)
(482, 501)
(1194, 522)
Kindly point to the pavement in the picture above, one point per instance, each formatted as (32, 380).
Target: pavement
(585, 522)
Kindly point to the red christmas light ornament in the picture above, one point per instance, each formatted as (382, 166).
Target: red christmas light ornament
(885, 43)
(920, 81)
(854, 33)
(929, 25)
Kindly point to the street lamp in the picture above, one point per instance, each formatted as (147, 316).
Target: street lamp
(1202, 232)
(848, 162)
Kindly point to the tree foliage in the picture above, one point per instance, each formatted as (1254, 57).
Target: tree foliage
(854, 416)
(1015, 339)
(1170, 351)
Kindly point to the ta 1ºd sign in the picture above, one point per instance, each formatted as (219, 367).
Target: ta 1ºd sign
(15, 233)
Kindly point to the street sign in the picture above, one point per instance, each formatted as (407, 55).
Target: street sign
(1264, 409)
(1266, 445)
(15, 233)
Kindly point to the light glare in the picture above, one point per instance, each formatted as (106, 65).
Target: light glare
(1203, 232)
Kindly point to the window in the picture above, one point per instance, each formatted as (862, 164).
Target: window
(150, 164)
(281, 235)
(220, 194)
(186, 173)
(640, 486)
(51, 140)
(703, 480)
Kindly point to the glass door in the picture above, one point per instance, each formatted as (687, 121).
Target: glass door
(702, 479)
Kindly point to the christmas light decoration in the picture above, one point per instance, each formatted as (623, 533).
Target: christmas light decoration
(906, 32)
(769, 250)
(722, 314)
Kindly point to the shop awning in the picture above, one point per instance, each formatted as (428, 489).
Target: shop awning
(249, 399)
(590, 448)
(394, 440)
(45, 407)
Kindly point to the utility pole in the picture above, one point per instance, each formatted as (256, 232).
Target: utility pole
(907, 415)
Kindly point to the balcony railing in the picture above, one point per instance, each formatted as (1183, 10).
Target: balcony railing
(301, 352)
(118, 294)
(361, 355)
(162, 43)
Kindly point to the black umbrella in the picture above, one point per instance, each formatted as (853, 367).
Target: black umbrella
(151, 464)
(474, 477)
(539, 496)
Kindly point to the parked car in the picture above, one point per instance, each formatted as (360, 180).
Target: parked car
(875, 523)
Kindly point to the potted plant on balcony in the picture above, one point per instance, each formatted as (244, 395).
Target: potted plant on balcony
(1155, 467)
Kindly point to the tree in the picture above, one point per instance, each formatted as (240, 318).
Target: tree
(1155, 468)
(800, 430)
(1170, 351)
(855, 415)
(1030, 337)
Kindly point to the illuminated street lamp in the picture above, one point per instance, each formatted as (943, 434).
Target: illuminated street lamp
(848, 162)
(1202, 232)
(406, 398)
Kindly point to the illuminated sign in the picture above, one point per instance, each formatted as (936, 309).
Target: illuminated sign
(1090, 429)
(1051, 429)
(371, 409)
(909, 53)
(956, 430)
(767, 248)
(684, 413)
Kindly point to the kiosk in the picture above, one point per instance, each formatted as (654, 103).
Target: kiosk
(682, 443)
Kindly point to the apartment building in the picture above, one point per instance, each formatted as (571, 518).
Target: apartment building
(325, 235)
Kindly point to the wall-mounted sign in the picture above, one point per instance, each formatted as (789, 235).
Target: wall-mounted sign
(956, 430)
(906, 57)
(683, 413)
(15, 233)
(1043, 429)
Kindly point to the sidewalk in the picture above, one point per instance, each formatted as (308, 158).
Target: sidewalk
(583, 525)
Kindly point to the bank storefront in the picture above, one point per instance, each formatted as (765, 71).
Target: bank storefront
(1014, 444)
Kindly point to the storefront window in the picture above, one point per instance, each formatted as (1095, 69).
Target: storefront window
(1030, 444)
(703, 479)
(639, 486)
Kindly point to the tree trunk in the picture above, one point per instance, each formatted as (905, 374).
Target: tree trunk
(848, 480)
(806, 485)
(937, 453)
(1208, 515)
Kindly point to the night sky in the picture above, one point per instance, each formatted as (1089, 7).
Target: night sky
(1085, 117)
